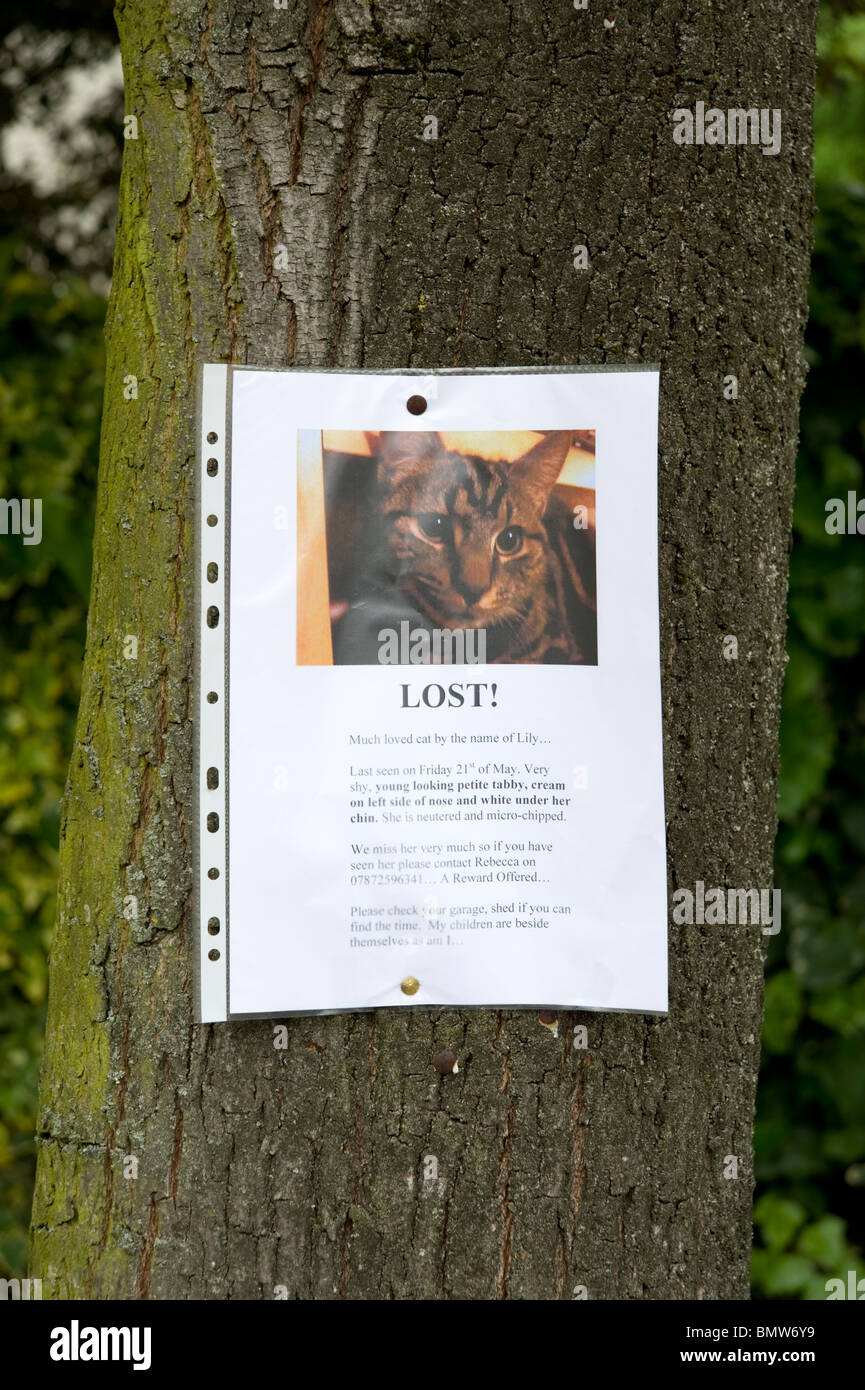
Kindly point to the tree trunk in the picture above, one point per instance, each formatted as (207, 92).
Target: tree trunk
(558, 1169)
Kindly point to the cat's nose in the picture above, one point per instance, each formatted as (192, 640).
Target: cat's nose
(472, 586)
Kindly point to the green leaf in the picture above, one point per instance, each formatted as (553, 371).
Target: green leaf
(824, 1242)
(808, 742)
(784, 1005)
(778, 1219)
(842, 1009)
(787, 1274)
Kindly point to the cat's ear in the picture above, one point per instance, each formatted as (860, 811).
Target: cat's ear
(408, 447)
(536, 472)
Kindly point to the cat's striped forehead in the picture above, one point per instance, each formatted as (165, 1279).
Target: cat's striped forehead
(452, 483)
(478, 486)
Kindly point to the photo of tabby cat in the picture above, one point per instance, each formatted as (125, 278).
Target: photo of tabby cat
(452, 540)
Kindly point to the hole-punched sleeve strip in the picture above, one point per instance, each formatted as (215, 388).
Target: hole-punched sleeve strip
(212, 716)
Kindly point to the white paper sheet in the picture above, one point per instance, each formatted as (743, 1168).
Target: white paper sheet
(512, 852)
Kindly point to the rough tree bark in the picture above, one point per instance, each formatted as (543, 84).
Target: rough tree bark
(262, 127)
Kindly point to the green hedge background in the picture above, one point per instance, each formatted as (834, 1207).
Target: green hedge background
(810, 1137)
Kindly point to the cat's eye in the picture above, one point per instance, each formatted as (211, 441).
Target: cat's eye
(509, 541)
(434, 525)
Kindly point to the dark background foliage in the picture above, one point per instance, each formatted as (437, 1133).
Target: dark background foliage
(55, 257)
(810, 1139)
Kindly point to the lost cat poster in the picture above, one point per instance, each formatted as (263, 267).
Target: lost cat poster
(429, 711)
